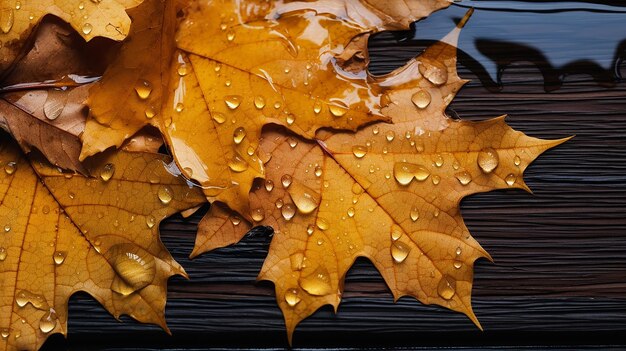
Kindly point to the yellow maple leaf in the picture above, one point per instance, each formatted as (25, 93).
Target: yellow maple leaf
(89, 18)
(389, 193)
(64, 233)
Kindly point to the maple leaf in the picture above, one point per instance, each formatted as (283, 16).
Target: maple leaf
(89, 18)
(247, 64)
(389, 193)
(64, 233)
(130, 92)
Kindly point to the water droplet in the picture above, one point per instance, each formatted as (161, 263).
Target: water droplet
(239, 134)
(320, 242)
(24, 297)
(305, 198)
(81, 6)
(235, 220)
(517, 160)
(396, 232)
(182, 69)
(436, 179)
(259, 102)
(279, 203)
(463, 177)
(286, 180)
(510, 179)
(7, 228)
(269, 185)
(359, 151)
(143, 89)
(290, 119)
(447, 287)
(458, 251)
(404, 172)
(257, 214)
(237, 164)
(230, 35)
(10, 168)
(3, 254)
(218, 117)
(277, 105)
(438, 160)
(292, 142)
(107, 172)
(310, 229)
(434, 72)
(54, 105)
(318, 171)
(457, 264)
(338, 108)
(48, 322)
(232, 101)
(375, 130)
(45, 209)
(150, 112)
(317, 107)
(317, 283)
(291, 297)
(87, 28)
(150, 221)
(134, 266)
(296, 261)
(351, 212)
(415, 215)
(165, 194)
(179, 107)
(390, 135)
(399, 251)
(288, 211)
(6, 19)
(4, 332)
(322, 223)
(421, 99)
(59, 257)
(488, 160)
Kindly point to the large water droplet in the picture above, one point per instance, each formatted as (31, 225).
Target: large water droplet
(438, 160)
(237, 164)
(322, 223)
(447, 287)
(338, 108)
(317, 283)
(87, 28)
(286, 180)
(359, 151)
(463, 177)
(143, 88)
(510, 179)
(6, 19)
(134, 266)
(257, 214)
(434, 72)
(399, 251)
(269, 185)
(288, 211)
(291, 297)
(259, 102)
(305, 198)
(10, 168)
(48, 322)
(232, 101)
(107, 172)
(59, 257)
(396, 232)
(404, 172)
(239, 134)
(488, 159)
(165, 194)
(150, 221)
(3, 254)
(415, 214)
(24, 297)
(421, 99)
(390, 135)
(4, 332)
(218, 117)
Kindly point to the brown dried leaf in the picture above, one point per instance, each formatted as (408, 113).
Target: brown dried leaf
(65, 233)
(389, 192)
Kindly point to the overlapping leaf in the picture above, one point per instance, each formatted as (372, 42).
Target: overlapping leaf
(64, 233)
(389, 192)
(89, 18)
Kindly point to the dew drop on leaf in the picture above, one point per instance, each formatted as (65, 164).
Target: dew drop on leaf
(239, 134)
(107, 172)
(288, 211)
(291, 297)
(421, 99)
(446, 287)
(48, 322)
(488, 160)
(59, 257)
(399, 251)
(317, 283)
(143, 88)
(259, 102)
(232, 101)
(359, 151)
(510, 179)
(305, 198)
(134, 266)
(10, 168)
(296, 261)
(463, 177)
(87, 28)
(3, 254)
(150, 221)
(165, 194)
(286, 180)
(337, 108)
(269, 185)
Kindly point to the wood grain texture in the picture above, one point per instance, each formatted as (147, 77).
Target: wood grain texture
(559, 277)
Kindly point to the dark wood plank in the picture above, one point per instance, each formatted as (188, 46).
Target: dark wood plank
(559, 276)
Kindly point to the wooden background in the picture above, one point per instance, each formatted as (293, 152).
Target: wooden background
(559, 277)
